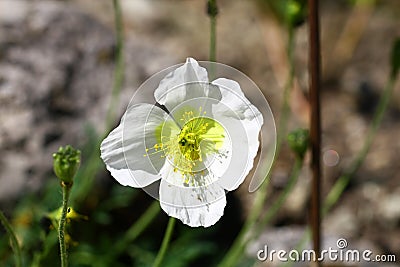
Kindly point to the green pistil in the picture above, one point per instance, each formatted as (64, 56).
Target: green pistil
(199, 137)
(196, 131)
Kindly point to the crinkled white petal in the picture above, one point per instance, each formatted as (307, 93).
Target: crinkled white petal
(173, 175)
(133, 178)
(244, 137)
(205, 215)
(124, 149)
(194, 206)
(243, 122)
(189, 81)
(234, 98)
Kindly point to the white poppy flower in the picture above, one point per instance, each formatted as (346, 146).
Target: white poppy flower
(200, 144)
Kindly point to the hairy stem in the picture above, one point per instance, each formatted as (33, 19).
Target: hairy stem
(66, 189)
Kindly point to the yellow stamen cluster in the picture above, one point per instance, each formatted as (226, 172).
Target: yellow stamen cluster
(199, 137)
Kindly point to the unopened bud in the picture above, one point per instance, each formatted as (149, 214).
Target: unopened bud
(66, 162)
(298, 141)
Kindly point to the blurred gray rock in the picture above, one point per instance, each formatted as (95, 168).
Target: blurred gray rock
(342, 221)
(56, 76)
(389, 208)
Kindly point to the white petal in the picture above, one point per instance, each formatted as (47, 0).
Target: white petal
(234, 98)
(173, 175)
(136, 178)
(124, 148)
(244, 137)
(243, 122)
(189, 81)
(194, 206)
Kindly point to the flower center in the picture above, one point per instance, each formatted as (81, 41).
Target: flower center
(198, 138)
(186, 150)
(190, 137)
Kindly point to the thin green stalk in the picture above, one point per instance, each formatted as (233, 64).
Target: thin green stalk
(344, 180)
(135, 230)
(236, 249)
(165, 242)
(119, 64)
(213, 39)
(212, 11)
(244, 237)
(14, 242)
(66, 189)
(49, 241)
(231, 257)
(87, 173)
(282, 196)
(304, 239)
(93, 161)
(286, 92)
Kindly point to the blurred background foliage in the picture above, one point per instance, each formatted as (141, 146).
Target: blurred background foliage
(251, 36)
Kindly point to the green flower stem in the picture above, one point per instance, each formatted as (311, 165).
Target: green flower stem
(13, 239)
(213, 39)
(212, 12)
(66, 188)
(93, 161)
(85, 176)
(344, 180)
(165, 242)
(303, 241)
(119, 64)
(282, 196)
(135, 230)
(244, 237)
(286, 92)
(235, 251)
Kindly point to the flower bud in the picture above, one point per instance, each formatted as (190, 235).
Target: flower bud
(212, 8)
(298, 141)
(66, 163)
(294, 12)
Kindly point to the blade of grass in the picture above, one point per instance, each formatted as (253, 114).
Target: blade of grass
(13, 239)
